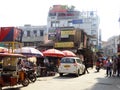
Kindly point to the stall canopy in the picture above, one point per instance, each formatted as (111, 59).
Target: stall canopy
(53, 53)
(29, 52)
(68, 53)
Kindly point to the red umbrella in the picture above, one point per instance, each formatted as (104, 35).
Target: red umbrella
(53, 53)
(68, 53)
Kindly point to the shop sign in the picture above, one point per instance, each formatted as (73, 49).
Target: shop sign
(64, 45)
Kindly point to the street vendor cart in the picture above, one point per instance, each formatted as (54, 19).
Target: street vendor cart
(10, 74)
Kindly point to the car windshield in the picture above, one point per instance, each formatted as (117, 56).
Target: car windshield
(68, 60)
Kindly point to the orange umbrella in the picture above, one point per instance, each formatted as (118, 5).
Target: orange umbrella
(53, 53)
(68, 53)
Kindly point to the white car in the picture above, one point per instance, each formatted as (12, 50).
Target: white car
(71, 65)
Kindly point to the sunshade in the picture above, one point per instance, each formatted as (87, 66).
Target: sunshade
(29, 51)
(68, 53)
(53, 53)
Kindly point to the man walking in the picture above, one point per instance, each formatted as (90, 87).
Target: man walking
(86, 66)
(109, 67)
(118, 66)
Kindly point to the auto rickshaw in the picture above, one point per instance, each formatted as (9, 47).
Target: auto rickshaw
(11, 75)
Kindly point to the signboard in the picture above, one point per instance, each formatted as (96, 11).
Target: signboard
(79, 21)
(9, 34)
(65, 34)
(54, 34)
(64, 45)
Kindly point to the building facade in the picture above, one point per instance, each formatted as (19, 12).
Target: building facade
(64, 16)
(33, 35)
(110, 47)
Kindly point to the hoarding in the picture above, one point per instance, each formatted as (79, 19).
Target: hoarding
(64, 45)
(10, 34)
(54, 34)
(65, 34)
(79, 21)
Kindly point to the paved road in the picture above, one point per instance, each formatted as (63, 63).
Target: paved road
(91, 81)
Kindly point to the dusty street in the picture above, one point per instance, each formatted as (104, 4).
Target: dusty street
(91, 81)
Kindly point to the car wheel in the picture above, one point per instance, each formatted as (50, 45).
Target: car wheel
(61, 74)
(83, 72)
(78, 73)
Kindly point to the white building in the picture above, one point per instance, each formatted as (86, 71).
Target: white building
(111, 46)
(33, 35)
(64, 16)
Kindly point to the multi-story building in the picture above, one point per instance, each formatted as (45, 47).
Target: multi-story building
(33, 35)
(110, 48)
(64, 16)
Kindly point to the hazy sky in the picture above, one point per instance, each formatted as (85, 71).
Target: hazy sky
(34, 12)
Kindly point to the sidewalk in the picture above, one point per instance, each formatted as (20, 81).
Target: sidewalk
(105, 83)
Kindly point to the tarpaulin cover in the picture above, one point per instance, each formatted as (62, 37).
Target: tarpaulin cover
(10, 34)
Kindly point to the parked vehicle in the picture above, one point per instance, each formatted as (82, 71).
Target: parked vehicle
(99, 64)
(31, 74)
(10, 74)
(71, 65)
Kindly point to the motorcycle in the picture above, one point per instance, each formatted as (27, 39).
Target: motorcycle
(30, 73)
(98, 66)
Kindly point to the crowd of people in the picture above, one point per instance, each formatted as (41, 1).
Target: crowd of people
(111, 65)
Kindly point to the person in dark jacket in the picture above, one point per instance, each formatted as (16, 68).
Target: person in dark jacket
(118, 66)
(86, 66)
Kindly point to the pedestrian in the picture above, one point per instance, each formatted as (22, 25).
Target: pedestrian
(114, 66)
(98, 64)
(108, 67)
(86, 66)
(118, 66)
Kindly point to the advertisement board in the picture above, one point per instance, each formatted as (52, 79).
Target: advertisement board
(10, 34)
(79, 21)
(64, 45)
(54, 34)
(65, 34)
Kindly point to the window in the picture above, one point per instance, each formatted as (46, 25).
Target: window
(28, 33)
(78, 60)
(70, 23)
(35, 33)
(55, 24)
(61, 14)
(68, 60)
(52, 14)
(41, 32)
(93, 32)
